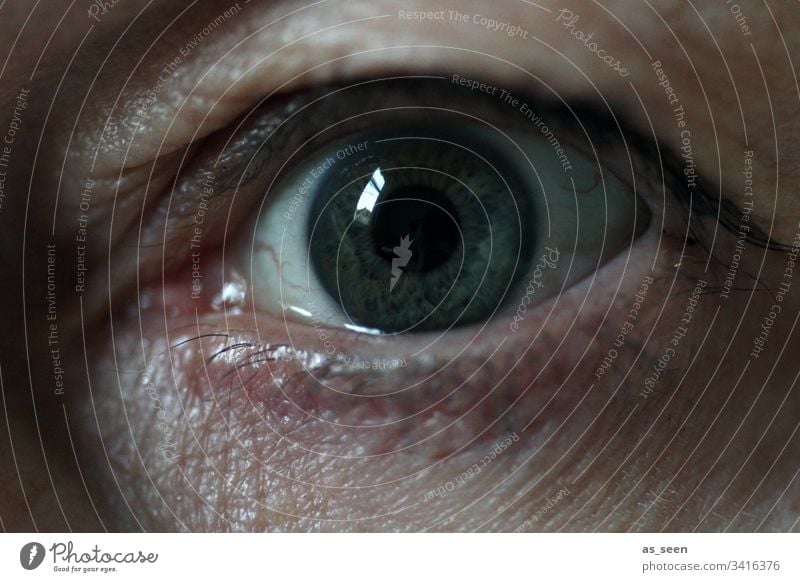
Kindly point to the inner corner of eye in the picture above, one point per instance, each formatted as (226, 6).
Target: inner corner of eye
(410, 222)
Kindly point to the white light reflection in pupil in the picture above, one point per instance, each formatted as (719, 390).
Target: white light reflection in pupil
(369, 197)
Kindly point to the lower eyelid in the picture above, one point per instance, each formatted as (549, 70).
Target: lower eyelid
(269, 366)
(548, 365)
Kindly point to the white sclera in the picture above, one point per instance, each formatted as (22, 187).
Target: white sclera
(587, 224)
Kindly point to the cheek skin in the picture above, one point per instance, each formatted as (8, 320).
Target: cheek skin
(220, 433)
(236, 436)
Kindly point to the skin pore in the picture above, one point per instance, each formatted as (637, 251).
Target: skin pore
(147, 431)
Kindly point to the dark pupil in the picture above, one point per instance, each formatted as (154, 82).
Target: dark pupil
(419, 234)
(426, 217)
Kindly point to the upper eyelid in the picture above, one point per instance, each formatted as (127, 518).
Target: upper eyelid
(249, 151)
(340, 50)
(254, 144)
(256, 32)
(245, 151)
(253, 51)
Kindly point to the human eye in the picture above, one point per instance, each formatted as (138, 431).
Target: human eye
(288, 327)
(415, 205)
(372, 285)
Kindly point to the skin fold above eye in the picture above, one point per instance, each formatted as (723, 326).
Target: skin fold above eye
(629, 396)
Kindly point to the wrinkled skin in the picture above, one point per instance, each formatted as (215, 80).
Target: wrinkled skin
(146, 436)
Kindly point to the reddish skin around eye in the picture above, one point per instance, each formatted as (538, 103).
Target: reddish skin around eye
(438, 405)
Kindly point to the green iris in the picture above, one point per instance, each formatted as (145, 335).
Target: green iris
(420, 233)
